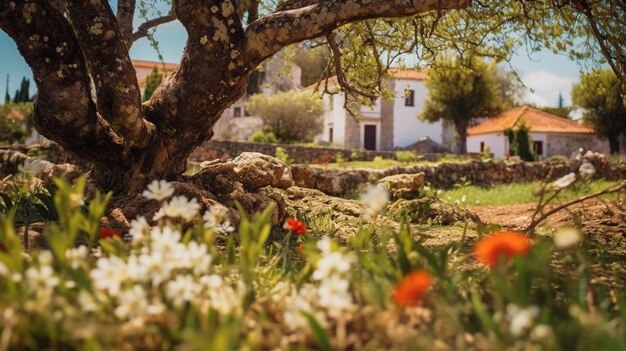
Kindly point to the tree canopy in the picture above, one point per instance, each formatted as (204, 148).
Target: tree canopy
(602, 97)
(74, 46)
(459, 92)
(292, 116)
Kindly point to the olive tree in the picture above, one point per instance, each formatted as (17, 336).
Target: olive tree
(89, 101)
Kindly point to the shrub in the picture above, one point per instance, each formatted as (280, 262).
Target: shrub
(261, 136)
(406, 156)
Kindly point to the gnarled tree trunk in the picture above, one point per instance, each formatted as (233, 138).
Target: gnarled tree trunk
(88, 98)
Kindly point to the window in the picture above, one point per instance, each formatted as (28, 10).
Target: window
(330, 135)
(538, 148)
(237, 112)
(409, 100)
(482, 146)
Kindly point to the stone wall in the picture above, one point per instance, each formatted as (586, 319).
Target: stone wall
(299, 154)
(558, 144)
(445, 175)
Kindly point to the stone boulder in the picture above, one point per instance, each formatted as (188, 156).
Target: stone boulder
(429, 211)
(404, 186)
(255, 170)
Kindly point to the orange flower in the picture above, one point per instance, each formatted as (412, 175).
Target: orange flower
(410, 290)
(501, 246)
(106, 233)
(295, 226)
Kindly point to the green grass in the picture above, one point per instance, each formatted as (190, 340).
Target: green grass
(389, 163)
(517, 193)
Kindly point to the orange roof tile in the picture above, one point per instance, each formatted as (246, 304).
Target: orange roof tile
(535, 120)
(144, 68)
(397, 73)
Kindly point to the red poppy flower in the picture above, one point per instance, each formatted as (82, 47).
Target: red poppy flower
(295, 226)
(411, 289)
(106, 233)
(501, 246)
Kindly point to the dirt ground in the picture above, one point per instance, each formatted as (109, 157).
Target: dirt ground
(597, 219)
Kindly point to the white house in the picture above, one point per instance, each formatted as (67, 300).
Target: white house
(388, 124)
(550, 134)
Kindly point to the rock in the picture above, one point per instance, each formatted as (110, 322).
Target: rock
(255, 170)
(429, 211)
(404, 186)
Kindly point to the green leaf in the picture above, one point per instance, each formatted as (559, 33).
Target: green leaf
(320, 334)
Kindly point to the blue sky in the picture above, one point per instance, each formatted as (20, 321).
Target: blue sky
(544, 72)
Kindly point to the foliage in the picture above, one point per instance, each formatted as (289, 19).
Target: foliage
(313, 62)
(406, 156)
(519, 143)
(283, 155)
(459, 94)
(152, 82)
(261, 136)
(293, 116)
(602, 96)
(15, 122)
(23, 93)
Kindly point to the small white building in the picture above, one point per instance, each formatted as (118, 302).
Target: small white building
(551, 135)
(388, 124)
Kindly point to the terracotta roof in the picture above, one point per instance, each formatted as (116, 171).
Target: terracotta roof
(152, 64)
(143, 64)
(535, 120)
(397, 73)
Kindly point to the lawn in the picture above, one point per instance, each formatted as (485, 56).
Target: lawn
(516, 193)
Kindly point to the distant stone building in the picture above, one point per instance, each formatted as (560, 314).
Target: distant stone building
(236, 123)
(388, 125)
(551, 135)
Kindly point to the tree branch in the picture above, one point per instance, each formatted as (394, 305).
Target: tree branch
(64, 111)
(125, 15)
(269, 34)
(253, 11)
(117, 91)
(143, 29)
(341, 78)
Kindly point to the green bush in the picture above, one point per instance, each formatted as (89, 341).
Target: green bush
(15, 122)
(261, 136)
(406, 156)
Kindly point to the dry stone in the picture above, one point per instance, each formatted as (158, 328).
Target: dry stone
(255, 170)
(404, 186)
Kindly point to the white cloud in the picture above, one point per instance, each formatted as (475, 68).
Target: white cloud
(546, 87)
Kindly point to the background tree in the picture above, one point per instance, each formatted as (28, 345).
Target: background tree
(313, 62)
(74, 46)
(460, 93)
(23, 93)
(292, 116)
(601, 95)
(519, 143)
(153, 80)
(560, 110)
(15, 122)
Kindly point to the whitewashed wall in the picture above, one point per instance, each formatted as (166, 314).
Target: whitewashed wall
(407, 127)
(498, 143)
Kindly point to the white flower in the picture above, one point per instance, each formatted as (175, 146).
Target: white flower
(77, 256)
(521, 319)
(334, 296)
(159, 190)
(179, 206)
(45, 258)
(540, 332)
(325, 245)
(155, 267)
(138, 229)
(86, 301)
(198, 258)
(182, 289)
(564, 181)
(34, 166)
(216, 219)
(164, 239)
(132, 303)
(375, 199)
(41, 280)
(586, 170)
(109, 275)
(4, 270)
(566, 237)
(300, 302)
(334, 262)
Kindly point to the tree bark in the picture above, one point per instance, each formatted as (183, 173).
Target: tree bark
(613, 143)
(461, 131)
